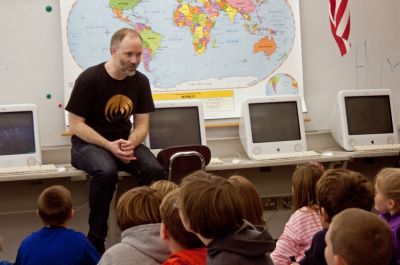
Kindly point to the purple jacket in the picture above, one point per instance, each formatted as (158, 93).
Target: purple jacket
(394, 223)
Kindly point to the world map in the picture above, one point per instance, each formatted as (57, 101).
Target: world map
(210, 44)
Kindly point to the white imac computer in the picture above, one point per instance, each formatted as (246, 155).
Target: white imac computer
(272, 125)
(176, 123)
(364, 118)
(19, 136)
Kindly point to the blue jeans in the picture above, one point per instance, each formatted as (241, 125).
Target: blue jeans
(103, 168)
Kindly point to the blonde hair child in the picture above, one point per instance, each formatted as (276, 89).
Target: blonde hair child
(164, 186)
(138, 217)
(387, 203)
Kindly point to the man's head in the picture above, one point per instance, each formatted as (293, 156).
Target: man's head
(55, 206)
(172, 227)
(138, 206)
(126, 50)
(209, 205)
(358, 237)
(339, 189)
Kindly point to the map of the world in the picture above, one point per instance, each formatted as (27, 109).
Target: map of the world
(204, 43)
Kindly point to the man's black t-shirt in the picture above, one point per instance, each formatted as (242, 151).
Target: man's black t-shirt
(107, 104)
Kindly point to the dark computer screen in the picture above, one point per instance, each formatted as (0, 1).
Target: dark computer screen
(174, 126)
(17, 135)
(274, 122)
(368, 115)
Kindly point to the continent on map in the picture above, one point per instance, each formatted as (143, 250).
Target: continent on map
(266, 45)
(118, 6)
(151, 43)
(201, 20)
(199, 23)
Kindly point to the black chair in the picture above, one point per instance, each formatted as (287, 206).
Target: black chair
(179, 161)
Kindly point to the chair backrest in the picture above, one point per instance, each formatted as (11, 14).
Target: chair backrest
(179, 161)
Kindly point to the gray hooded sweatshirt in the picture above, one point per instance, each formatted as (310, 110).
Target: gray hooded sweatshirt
(247, 246)
(139, 245)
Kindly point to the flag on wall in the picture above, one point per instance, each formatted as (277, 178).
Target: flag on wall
(339, 15)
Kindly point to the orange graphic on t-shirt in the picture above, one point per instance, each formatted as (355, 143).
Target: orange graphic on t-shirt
(118, 103)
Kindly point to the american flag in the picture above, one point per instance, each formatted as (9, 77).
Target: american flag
(339, 15)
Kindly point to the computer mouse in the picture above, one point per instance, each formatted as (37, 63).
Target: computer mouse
(327, 154)
(61, 169)
(236, 161)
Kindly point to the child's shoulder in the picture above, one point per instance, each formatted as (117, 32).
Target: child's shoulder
(304, 213)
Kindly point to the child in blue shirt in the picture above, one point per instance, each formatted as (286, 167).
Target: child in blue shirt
(55, 244)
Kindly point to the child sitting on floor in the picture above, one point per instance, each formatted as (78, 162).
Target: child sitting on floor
(186, 247)
(55, 244)
(209, 206)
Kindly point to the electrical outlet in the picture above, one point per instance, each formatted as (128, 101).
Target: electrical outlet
(286, 202)
(270, 203)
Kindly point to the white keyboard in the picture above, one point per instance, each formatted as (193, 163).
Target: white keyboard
(294, 155)
(36, 169)
(377, 147)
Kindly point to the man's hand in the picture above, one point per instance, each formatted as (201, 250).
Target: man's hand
(123, 150)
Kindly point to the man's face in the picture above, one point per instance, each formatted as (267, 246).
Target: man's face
(127, 55)
(329, 256)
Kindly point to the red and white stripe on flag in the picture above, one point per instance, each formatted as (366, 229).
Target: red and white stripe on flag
(339, 15)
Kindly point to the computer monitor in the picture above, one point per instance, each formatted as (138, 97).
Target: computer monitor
(272, 124)
(176, 123)
(364, 117)
(19, 135)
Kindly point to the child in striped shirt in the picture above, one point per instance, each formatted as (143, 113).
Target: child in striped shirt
(304, 222)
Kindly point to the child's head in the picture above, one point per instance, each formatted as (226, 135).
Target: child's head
(138, 206)
(172, 227)
(164, 186)
(387, 187)
(250, 200)
(358, 237)
(339, 189)
(304, 180)
(209, 205)
(55, 206)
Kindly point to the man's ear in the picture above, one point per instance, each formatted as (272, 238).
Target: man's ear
(339, 260)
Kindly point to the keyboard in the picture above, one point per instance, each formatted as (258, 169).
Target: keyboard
(290, 156)
(36, 169)
(377, 147)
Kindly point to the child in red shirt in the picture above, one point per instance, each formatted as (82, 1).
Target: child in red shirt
(185, 247)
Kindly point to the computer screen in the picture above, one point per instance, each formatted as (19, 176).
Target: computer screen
(272, 124)
(364, 117)
(175, 123)
(19, 136)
